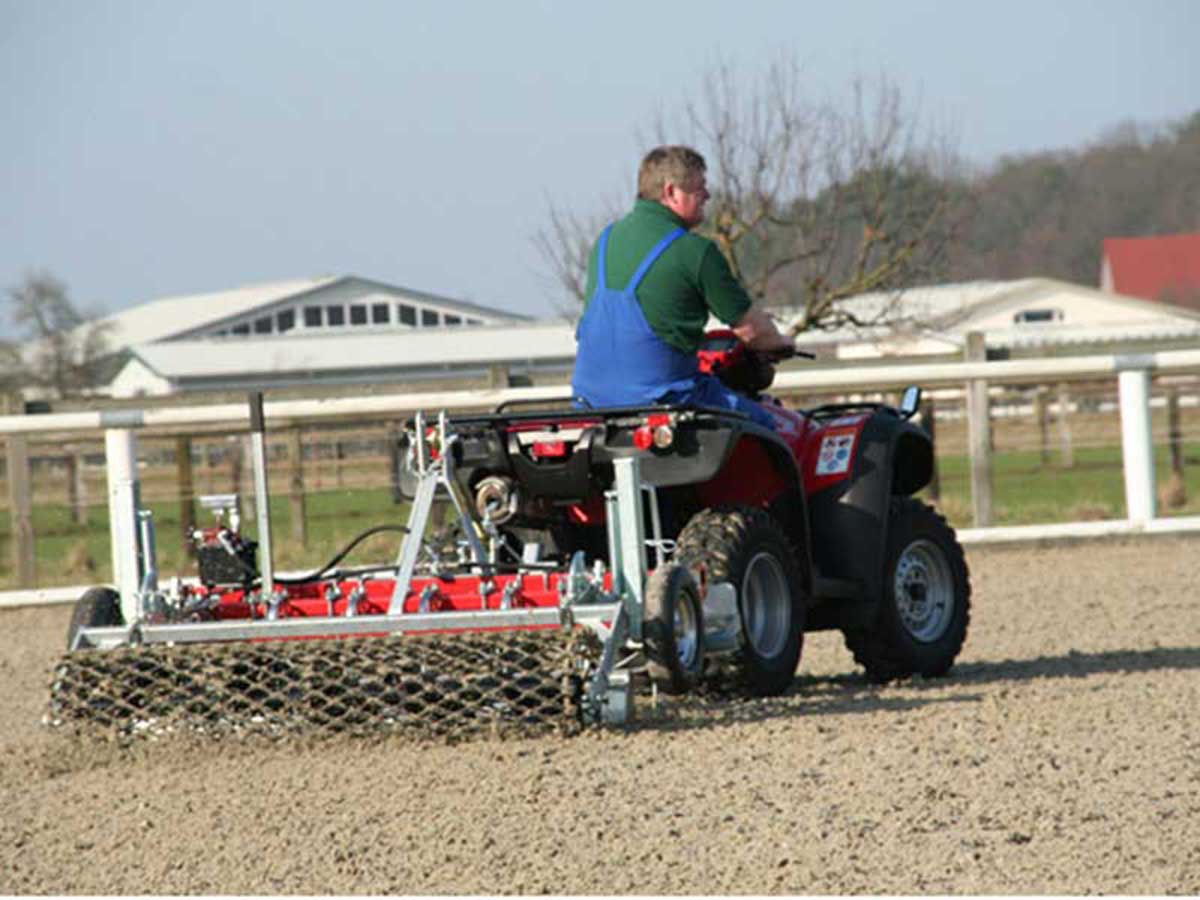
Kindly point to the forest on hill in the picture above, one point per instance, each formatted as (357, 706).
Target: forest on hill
(1047, 214)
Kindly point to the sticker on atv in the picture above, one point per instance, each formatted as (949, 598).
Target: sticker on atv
(836, 453)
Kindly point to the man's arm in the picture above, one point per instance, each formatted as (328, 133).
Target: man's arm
(758, 331)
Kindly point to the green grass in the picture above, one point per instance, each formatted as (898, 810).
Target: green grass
(68, 553)
(1026, 491)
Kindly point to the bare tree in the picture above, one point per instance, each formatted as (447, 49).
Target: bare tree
(813, 201)
(63, 346)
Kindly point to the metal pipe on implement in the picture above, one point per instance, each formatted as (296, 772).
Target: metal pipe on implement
(262, 498)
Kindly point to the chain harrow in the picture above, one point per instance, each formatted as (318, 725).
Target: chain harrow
(460, 684)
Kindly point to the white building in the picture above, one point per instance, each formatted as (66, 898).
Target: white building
(1027, 316)
(278, 342)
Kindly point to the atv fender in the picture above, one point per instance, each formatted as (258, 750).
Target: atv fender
(849, 519)
(758, 469)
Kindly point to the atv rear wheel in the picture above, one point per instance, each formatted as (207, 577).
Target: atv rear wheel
(674, 630)
(99, 607)
(746, 547)
(925, 607)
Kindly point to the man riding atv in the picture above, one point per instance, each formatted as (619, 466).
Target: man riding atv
(638, 342)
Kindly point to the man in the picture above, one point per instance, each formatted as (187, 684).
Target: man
(651, 286)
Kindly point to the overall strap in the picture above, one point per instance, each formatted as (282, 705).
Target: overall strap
(652, 258)
(602, 259)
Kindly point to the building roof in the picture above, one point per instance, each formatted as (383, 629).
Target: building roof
(1163, 267)
(162, 319)
(940, 316)
(315, 356)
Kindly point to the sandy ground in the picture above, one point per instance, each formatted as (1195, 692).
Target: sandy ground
(1060, 755)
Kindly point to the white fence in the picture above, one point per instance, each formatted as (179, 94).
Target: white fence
(1133, 374)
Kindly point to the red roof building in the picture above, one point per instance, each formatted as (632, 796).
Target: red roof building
(1165, 267)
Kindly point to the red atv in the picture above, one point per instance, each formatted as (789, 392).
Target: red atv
(813, 525)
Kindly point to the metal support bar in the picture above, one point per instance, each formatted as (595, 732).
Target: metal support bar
(631, 538)
(262, 502)
(330, 626)
(410, 548)
(1137, 447)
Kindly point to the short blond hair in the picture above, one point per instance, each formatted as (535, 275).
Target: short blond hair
(662, 164)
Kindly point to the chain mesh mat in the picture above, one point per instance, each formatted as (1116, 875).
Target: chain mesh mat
(449, 684)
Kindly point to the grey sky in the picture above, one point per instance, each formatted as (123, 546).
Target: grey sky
(165, 148)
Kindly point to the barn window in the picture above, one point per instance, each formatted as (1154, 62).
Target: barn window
(1036, 316)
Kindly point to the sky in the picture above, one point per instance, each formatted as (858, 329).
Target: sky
(152, 149)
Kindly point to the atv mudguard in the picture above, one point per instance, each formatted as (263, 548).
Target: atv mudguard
(849, 520)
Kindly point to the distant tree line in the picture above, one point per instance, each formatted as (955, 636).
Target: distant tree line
(815, 201)
(1047, 214)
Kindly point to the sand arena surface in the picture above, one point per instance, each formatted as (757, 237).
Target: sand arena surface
(1060, 755)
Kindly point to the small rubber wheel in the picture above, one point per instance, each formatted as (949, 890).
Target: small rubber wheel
(673, 626)
(99, 607)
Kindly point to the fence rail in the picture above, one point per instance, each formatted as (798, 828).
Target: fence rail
(1131, 372)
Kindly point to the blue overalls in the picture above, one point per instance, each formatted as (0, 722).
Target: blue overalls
(622, 362)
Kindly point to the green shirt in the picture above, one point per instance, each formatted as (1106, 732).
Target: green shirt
(688, 281)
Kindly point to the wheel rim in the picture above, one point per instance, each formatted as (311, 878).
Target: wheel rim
(924, 590)
(766, 605)
(687, 632)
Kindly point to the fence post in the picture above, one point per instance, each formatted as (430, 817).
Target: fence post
(120, 454)
(1039, 414)
(929, 420)
(248, 496)
(187, 493)
(296, 486)
(1064, 426)
(76, 486)
(20, 507)
(235, 473)
(1174, 432)
(498, 376)
(1137, 449)
(979, 427)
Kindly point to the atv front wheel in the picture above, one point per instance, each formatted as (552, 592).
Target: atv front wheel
(746, 547)
(926, 604)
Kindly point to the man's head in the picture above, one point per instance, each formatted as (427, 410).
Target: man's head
(674, 176)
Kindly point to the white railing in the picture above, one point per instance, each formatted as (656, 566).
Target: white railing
(1133, 373)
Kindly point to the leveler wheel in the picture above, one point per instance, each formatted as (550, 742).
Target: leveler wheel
(99, 607)
(926, 603)
(674, 629)
(748, 548)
